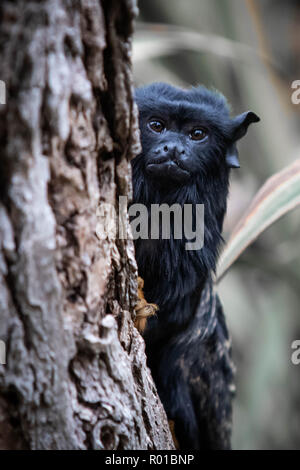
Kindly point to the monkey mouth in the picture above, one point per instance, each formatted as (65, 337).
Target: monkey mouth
(166, 168)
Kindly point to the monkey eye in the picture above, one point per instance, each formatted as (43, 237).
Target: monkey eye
(156, 126)
(198, 134)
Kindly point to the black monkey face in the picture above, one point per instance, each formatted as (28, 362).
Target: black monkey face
(187, 134)
(174, 147)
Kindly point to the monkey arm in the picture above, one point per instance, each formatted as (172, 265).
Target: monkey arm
(143, 310)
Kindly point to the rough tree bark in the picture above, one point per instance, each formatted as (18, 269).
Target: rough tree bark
(75, 375)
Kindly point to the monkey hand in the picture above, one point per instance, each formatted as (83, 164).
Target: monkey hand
(143, 310)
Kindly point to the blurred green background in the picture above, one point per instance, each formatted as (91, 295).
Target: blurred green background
(250, 51)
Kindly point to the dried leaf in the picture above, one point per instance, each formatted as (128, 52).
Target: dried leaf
(279, 195)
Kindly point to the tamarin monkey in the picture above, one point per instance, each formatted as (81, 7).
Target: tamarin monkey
(188, 150)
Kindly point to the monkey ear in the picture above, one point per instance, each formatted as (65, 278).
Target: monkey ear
(239, 129)
(241, 124)
(232, 157)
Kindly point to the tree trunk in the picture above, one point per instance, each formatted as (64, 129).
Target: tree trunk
(75, 375)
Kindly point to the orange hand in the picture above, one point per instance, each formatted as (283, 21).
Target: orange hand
(143, 309)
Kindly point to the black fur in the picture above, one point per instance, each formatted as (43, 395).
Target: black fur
(187, 342)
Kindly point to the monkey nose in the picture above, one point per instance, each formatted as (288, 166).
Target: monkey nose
(173, 151)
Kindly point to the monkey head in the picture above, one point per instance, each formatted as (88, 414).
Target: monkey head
(187, 134)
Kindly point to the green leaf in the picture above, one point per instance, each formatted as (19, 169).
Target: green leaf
(279, 195)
